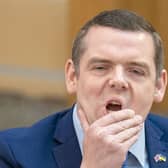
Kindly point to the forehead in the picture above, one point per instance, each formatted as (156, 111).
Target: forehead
(117, 42)
(98, 34)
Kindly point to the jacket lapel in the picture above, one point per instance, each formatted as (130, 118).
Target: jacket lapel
(155, 145)
(66, 151)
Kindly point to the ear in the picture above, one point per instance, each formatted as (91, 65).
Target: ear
(70, 77)
(160, 89)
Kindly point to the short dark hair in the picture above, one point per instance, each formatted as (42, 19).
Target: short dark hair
(123, 20)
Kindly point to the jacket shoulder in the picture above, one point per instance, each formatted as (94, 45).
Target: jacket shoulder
(18, 143)
(42, 126)
(159, 121)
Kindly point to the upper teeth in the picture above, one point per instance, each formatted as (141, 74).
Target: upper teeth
(115, 103)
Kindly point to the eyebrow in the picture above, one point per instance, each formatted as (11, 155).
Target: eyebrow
(140, 64)
(98, 60)
(133, 63)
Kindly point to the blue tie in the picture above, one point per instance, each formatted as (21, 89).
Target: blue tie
(125, 162)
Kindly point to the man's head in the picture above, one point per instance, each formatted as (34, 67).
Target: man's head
(116, 64)
(122, 20)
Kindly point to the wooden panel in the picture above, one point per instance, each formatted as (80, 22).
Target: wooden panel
(33, 36)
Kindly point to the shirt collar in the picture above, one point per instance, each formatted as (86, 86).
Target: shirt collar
(78, 128)
(138, 149)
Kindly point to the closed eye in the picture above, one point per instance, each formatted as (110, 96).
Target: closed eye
(137, 71)
(100, 68)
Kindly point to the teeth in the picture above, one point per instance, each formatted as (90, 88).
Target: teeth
(115, 103)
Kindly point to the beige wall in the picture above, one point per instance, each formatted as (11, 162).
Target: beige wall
(156, 11)
(33, 45)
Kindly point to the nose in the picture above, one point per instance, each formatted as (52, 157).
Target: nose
(118, 79)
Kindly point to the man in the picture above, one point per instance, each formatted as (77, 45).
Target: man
(116, 72)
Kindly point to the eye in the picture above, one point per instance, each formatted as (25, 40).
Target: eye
(100, 67)
(137, 71)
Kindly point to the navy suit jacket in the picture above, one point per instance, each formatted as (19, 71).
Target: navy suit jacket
(52, 143)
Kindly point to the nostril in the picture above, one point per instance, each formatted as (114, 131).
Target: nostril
(118, 85)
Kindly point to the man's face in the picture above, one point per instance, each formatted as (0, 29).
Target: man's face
(116, 72)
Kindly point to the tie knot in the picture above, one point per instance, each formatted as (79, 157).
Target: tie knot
(125, 162)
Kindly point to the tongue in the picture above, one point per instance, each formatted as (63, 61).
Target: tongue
(112, 107)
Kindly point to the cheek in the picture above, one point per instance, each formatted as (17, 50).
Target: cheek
(90, 87)
(143, 99)
(89, 94)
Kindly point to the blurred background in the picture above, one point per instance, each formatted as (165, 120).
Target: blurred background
(35, 41)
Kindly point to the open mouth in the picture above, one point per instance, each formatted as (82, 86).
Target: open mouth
(114, 106)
